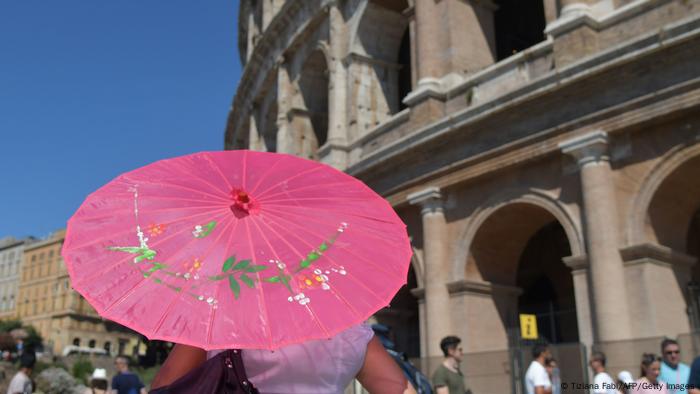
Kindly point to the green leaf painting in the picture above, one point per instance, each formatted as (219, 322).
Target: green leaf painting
(247, 281)
(241, 265)
(228, 263)
(235, 286)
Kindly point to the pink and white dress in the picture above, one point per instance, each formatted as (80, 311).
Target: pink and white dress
(322, 366)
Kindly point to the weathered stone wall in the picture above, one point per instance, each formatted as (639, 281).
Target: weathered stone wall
(593, 130)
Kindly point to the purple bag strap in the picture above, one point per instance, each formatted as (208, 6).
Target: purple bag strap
(222, 374)
(234, 360)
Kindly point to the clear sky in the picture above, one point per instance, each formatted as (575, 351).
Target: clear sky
(92, 89)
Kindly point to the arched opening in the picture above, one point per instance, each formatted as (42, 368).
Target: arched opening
(519, 24)
(518, 249)
(269, 132)
(312, 120)
(265, 119)
(380, 67)
(91, 344)
(548, 288)
(405, 72)
(76, 341)
(673, 207)
(673, 221)
(401, 317)
(108, 347)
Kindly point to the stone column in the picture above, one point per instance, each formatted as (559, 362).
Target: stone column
(452, 36)
(657, 278)
(437, 298)
(580, 276)
(336, 155)
(284, 106)
(575, 7)
(610, 309)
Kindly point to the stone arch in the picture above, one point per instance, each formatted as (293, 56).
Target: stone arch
(418, 267)
(513, 262)
(643, 224)
(570, 223)
(402, 315)
(308, 116)
(313, 86)
(377, 65)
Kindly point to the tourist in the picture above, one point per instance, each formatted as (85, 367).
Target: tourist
(552, 368)
(649, 382)
(125, 381)
(21, 383)
(537, 379)
(98, 382)
(625, 381)
(447, 378)
(317, 366)
(602, 382)
(673, 371)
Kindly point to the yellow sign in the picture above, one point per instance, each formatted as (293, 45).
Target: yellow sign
(528, 326)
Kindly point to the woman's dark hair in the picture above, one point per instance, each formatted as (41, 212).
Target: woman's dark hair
(98, 384)
(647, 360)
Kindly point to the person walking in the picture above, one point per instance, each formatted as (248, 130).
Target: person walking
(554, 375)
(21, 383)
(98, 382)
(673, 371)
(649, 382)
(537, 379)
(125, 381)
(447, 378)
(625, 381)
(602, 382)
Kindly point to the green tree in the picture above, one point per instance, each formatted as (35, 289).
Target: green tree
(33, 339)
(82, 369)
(10, 324)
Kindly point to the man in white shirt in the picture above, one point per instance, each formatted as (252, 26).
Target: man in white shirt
(602, 382)
(536, 378)
(21, 383)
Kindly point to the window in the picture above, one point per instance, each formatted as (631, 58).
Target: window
(41, 256)
(91, 344)
(76, 341)
(33, 258)
(108, 347)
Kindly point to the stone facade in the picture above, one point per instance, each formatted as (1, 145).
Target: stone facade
(61, 315)
(11, 251)
(548, 166)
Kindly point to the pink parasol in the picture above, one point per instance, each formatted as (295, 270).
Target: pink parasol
(236, 249)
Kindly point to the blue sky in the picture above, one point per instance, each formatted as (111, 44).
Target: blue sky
(92, 89)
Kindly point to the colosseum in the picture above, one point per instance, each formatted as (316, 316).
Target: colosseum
(544, 154)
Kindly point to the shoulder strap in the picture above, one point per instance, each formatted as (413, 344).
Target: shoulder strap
(233, 360)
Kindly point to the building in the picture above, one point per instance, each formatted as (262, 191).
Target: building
(61, 315)
(11, 251)
(543, 153)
